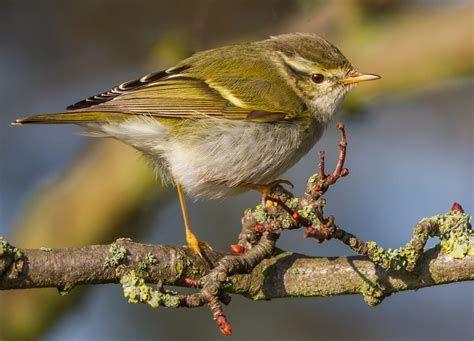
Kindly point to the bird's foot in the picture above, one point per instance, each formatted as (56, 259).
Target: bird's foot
(196, 245)
(267, 189)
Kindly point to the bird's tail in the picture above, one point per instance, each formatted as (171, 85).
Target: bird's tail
(73, 117)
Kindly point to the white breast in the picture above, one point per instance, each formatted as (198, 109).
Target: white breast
(213, 156)
(213, 163)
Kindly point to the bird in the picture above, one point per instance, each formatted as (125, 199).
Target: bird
(224, 120)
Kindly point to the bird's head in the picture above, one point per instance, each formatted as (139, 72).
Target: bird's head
(317, 71)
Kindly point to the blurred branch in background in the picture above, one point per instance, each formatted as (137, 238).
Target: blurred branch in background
(412, 48)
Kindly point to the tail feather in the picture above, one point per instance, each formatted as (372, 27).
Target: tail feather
(73, 117)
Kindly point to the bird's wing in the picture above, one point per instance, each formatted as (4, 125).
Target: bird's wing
(127, 87)
(171, 94)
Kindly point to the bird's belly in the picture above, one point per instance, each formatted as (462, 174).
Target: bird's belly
(215, 158)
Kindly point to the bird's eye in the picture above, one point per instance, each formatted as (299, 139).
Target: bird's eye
(317, 78)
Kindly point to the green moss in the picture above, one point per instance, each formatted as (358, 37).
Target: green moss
(147, 261)
(137, 291)
(6, 249)
(116, 254)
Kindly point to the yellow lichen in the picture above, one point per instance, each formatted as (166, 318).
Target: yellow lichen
(116, 254)
(307, 212)
(373, 292)
(147, 261)
(453, 229)
(137, 291)
(7, 249)
(260, 215)
(456, 234)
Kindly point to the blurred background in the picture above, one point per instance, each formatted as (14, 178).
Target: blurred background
(410, 156)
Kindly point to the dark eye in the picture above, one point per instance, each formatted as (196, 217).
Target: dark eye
(317, 78)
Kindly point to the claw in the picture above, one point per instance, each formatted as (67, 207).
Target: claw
(266, 189)
(282, 181)
(196, 245)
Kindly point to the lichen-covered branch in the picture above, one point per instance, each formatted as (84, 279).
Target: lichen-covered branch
(254, 274)
(285, 274)
(257, 269)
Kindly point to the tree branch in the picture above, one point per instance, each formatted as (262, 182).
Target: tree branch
(284, 275)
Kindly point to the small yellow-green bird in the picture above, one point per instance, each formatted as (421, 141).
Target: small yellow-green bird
(224, 120)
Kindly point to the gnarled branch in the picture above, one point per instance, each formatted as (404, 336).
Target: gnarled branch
(284, 275)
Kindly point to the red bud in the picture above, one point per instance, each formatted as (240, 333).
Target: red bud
(309, 231)
(457, 207)
(224, 325)
(237, 248)
(191, 282)
(296, 215)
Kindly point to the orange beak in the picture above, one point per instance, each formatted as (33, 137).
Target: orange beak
(357, 77)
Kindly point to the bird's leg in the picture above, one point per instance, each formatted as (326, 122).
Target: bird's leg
(193, 243)
(266, 189)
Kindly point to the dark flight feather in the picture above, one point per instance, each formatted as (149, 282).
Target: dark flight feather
(125, 87)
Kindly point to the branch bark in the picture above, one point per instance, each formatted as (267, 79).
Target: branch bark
(283, 275)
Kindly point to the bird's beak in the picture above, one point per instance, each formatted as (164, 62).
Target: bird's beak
(357, 77)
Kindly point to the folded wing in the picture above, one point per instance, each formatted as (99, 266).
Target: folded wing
(166, 94)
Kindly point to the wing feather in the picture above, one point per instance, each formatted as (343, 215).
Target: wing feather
(178, 97)
(126, 87)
